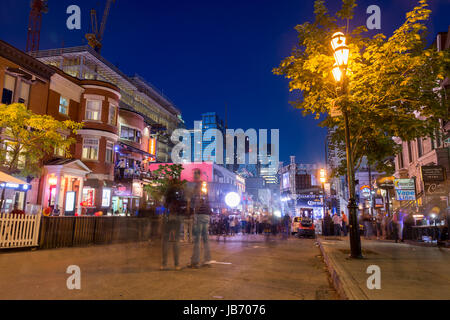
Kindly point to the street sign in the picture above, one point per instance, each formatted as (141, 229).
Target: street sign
(335, 111)
(433, 173)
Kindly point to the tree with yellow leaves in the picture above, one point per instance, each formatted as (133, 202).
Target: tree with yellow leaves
(393, 83)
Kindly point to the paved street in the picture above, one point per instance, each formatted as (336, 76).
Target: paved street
(407, 271)
(248, 267)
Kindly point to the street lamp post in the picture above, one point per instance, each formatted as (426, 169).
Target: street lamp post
(323, 179)
(341, 55)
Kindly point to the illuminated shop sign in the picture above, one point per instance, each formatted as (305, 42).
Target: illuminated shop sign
(106, 198)
(152, 149)
(70, 201)
(24, 187)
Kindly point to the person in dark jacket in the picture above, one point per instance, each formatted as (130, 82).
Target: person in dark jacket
(327, 221)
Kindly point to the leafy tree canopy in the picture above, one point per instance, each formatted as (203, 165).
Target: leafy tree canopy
(393, 82)
(26, 138)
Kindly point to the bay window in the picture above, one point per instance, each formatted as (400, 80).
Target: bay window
(90, 149)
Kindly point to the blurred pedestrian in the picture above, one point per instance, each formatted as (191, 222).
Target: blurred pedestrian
(201, 225)
(337, 224)
(344, 223)
(172, 220)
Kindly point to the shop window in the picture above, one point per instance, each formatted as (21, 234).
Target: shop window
(88, 198)
(8, 89)
(90, 149)
(24, 93)
(109, 156)
(112, 117)
(93, 110)
(63, 106)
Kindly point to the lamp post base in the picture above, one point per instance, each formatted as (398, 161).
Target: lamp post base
(355, 240)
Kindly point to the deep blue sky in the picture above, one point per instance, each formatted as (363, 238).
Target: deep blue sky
(205, 53)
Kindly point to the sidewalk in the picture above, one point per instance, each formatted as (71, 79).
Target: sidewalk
(407, 271)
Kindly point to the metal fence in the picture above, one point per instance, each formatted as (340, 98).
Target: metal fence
(19, 231)
(60, 232)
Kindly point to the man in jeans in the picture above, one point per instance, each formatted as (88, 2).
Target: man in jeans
(201, 230)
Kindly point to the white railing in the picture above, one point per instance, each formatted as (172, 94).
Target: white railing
(19, 231)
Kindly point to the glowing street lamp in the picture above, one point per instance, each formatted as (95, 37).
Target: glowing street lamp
(341, 51)
(337, 73)
(341, 56)
(323, 176)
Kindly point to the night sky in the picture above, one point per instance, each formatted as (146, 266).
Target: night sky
(204, 54)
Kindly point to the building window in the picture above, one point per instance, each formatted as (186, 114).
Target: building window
(112, 117)
(63, 106)
(401, 163)
(93, 110)
(420, 147)
(8, 89)
(90, 149)
(410, 156)
(24, 93)
(109, 156)
(130, 134)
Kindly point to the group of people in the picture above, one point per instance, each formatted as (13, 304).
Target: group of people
(195, 216)
(398, 226)
(335, 225)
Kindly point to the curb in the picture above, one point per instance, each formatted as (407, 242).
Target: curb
(342, 284)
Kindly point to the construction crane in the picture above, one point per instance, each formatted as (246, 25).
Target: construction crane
(95, 38)
(38, 7)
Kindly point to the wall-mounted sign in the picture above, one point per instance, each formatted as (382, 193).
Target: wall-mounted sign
(436, 189)
(404, 184)
(365, 191)
(70, 202)
(386, 183)
(405, 195)
(152, 146)
(433, 173)
(405, 189)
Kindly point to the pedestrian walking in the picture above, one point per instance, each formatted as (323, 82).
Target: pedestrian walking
(344, 223)
(379, 220)
(327, 221)
(395, 226)
(337, 224)
(201, 225)
(172, 220)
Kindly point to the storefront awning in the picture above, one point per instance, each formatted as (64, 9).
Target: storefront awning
(133, 149)
(6, 178)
